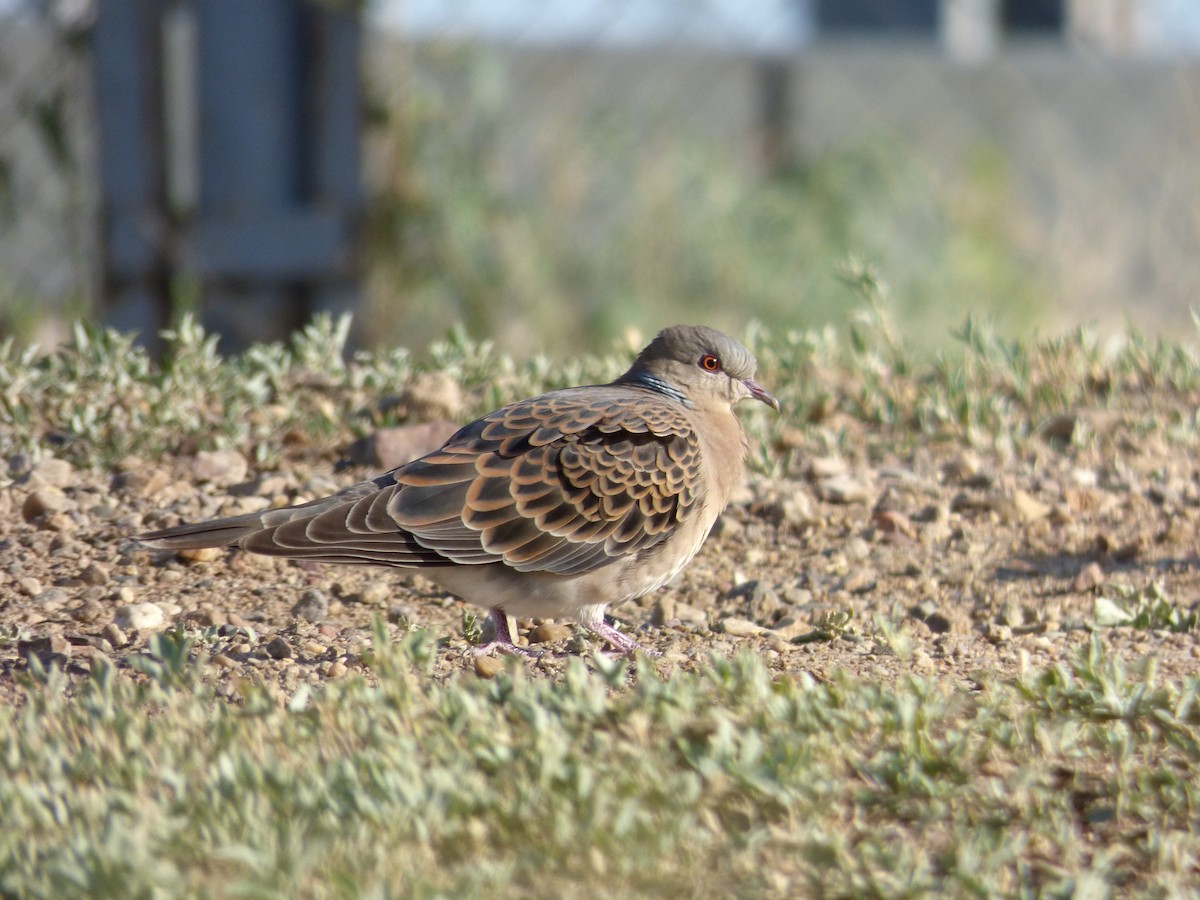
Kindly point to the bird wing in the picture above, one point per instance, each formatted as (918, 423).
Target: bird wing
(565, 483)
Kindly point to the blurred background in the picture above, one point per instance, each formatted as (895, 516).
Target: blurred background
(554, 173)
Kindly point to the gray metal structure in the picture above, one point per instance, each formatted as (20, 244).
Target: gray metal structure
(229, 161)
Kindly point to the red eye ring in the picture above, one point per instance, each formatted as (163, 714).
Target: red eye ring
(710, 363)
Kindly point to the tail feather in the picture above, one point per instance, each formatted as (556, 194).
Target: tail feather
(235, 529)
(192, 536)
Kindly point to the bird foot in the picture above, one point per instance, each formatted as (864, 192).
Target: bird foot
(503, 642)
(623, 644)
(506, 647)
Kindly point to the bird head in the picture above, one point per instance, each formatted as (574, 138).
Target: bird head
(699, 366)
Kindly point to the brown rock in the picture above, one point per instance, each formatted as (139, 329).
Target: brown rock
(201, 554)
(842, 489)
(548, 632)
(663, 611)
(209, 617)
(488, 666)
(334, 669)
(46, 648)
(58, 521)
(823, 467)
(1090, 576)
(791, 506)
(29, 586)
(391, 447)
(789, 438)
(278, 648)
(1060, 427)
(140, 617)
(94, 574)
(313, 606)
(1028, 508)
(998, 634)
(220, 467)
(141, 482)
(53, 472)
(738, 627)
(892, 522)
(43, 501)
(432, 395)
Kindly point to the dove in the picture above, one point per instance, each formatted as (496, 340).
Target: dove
(556, 506)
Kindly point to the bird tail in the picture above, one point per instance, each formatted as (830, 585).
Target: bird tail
(235, 529)
(216, 533)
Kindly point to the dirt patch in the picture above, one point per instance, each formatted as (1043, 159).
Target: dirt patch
(934, 561)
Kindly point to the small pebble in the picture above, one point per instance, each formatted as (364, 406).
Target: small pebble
(211, 617)
(740, 627)
(998, 634)
(488, 666)
(844, 489)
(391, 447)
(278, 648)
(432, 395)
(51, 598)
(44, 646)
(1029, 508)
(922, 662)
(43, 501)
(377, 593)
(1089, 577)
(857, 549)
(313, 606)
(29, 586)
(548, 632)
(140, 617)
(220, 467)
(402, 615)
(664, 610)
(334, 669)
(961, 467)
(91, 611)
(794, 507)
(141, 482)
(823, 467)
(94, 574)
(55, 472)
(201, 554)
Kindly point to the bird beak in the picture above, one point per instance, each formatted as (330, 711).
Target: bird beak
(759, 393)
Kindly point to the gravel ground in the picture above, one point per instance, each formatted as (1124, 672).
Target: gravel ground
(937, 562)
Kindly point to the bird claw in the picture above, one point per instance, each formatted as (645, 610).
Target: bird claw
(508, 648)
(622, 644)
(502, 641)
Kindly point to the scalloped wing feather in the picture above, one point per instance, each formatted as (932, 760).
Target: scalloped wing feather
(567, 482)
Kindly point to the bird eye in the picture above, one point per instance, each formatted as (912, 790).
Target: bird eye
(710, 363)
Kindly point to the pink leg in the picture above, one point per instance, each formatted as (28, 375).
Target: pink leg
(622, 643)
(502, 641)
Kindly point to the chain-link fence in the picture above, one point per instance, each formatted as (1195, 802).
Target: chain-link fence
(561, 170)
